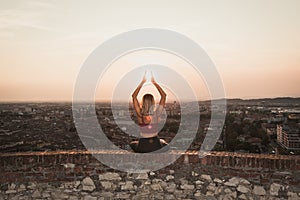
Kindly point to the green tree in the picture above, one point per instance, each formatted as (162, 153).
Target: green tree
(231, 140)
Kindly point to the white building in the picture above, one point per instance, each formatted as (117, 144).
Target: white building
(288, 136)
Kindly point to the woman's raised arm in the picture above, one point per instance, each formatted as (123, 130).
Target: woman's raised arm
(163, 95)
(135, 101)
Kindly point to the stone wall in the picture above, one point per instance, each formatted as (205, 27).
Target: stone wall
(219, 175)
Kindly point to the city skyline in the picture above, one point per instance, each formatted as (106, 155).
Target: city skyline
(254, 45)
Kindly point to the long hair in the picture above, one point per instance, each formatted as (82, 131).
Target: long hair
(148, 104)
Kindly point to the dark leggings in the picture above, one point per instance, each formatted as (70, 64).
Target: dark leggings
(146, 145)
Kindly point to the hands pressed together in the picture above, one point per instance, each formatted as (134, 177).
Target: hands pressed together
(145, 79)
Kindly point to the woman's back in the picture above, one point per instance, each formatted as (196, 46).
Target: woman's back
(148, 126)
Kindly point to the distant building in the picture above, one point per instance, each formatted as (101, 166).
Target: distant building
(277, 119)
(173, 109)
(28, 109)
(294, 118)
(254, 141)
(288, 136)
(238, 112)
(270, 129)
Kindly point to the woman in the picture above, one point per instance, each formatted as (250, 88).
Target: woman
(148, 118)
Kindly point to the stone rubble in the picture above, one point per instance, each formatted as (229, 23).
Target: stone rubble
(150, 186)
(259, 190)
(88, 184)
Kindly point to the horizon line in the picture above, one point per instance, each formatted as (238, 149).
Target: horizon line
(121, 101)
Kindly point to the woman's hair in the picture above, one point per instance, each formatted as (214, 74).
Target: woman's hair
(148, 104)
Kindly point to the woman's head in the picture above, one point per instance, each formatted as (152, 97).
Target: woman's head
(148, 104)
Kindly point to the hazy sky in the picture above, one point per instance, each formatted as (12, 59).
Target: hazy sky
(255, 44)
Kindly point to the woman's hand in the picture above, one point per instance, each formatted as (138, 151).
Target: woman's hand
(162, 93)
(144, 78)
(152, 79)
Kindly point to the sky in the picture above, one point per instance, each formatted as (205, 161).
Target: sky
(254, 44)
